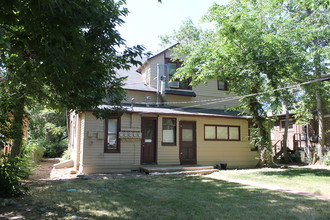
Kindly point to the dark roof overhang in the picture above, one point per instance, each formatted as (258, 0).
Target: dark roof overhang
(180, 92)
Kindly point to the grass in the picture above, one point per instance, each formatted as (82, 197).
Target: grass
(161, 197)
(315, 181)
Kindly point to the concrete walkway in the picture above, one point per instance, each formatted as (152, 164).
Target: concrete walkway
(266, 186)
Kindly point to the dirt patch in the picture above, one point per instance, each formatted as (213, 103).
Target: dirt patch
(46, 171)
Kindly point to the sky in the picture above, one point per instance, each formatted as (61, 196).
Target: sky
(148, 19)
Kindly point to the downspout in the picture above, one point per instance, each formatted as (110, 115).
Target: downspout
(147, 101)
(162, 89)
(161, 84)
(158, 85)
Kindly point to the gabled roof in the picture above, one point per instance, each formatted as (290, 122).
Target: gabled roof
(157, 54)
(163, 51)
(134, 80)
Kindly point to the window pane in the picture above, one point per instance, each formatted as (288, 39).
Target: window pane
(112, 142)
(233, 133)
(222, 85)
(111, 137)
(168, 123)
(171, 68)
(210, 132)
(187, 134)
(290, 124)
(169, 130)
(168, 136)
(112, 125)
(222, 133)
(148, 131)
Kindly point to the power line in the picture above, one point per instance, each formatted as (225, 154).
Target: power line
(225, 99)
(217, 100)
(325, 78)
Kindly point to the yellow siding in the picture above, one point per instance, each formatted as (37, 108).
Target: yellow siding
(81, 142)
(95, 160)
(73, 136)
(210, 91)
(146, 73)
(153, 70)
(90, 131)
(234, 153)
(204, 91)
(140, 96)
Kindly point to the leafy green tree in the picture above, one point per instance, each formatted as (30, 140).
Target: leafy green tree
(307, 25)
(185, 35)
(62, 54)
(245, 50)
(48, 130)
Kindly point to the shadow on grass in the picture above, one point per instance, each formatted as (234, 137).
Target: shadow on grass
(299, 172)
(165, 197)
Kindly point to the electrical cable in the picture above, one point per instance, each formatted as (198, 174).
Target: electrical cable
(219, 100)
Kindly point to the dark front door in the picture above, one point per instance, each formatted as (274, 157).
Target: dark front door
(149, 138)
(187, 142)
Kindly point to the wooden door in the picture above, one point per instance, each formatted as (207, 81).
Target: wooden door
(149, 141)
(187, 142)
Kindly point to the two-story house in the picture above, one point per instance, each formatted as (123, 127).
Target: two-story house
(165, 122)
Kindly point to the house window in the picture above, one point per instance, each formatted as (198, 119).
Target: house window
(176, 83)
(169, 131)
(290, 124)
(222, 132)
(111, 140)
(222, 85)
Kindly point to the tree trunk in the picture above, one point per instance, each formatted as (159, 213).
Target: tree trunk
(285, 136)
(264, 145)
(319, 108)
(321, 128)
(18, 127)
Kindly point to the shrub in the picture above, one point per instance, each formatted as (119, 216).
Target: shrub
(327, 159)
(12, 171)
(55, 149)
(33, 151)
(47, 128)
(66, 155)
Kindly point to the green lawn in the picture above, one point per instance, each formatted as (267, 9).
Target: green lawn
(162, 197)
(315, 181)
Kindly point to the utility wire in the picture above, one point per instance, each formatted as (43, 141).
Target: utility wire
(325, 78)
(219, 100)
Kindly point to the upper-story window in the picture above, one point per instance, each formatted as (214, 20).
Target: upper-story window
(290, 125)
(222, 85)
(176, 83)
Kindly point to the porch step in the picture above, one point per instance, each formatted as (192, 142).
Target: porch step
(161, 170)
